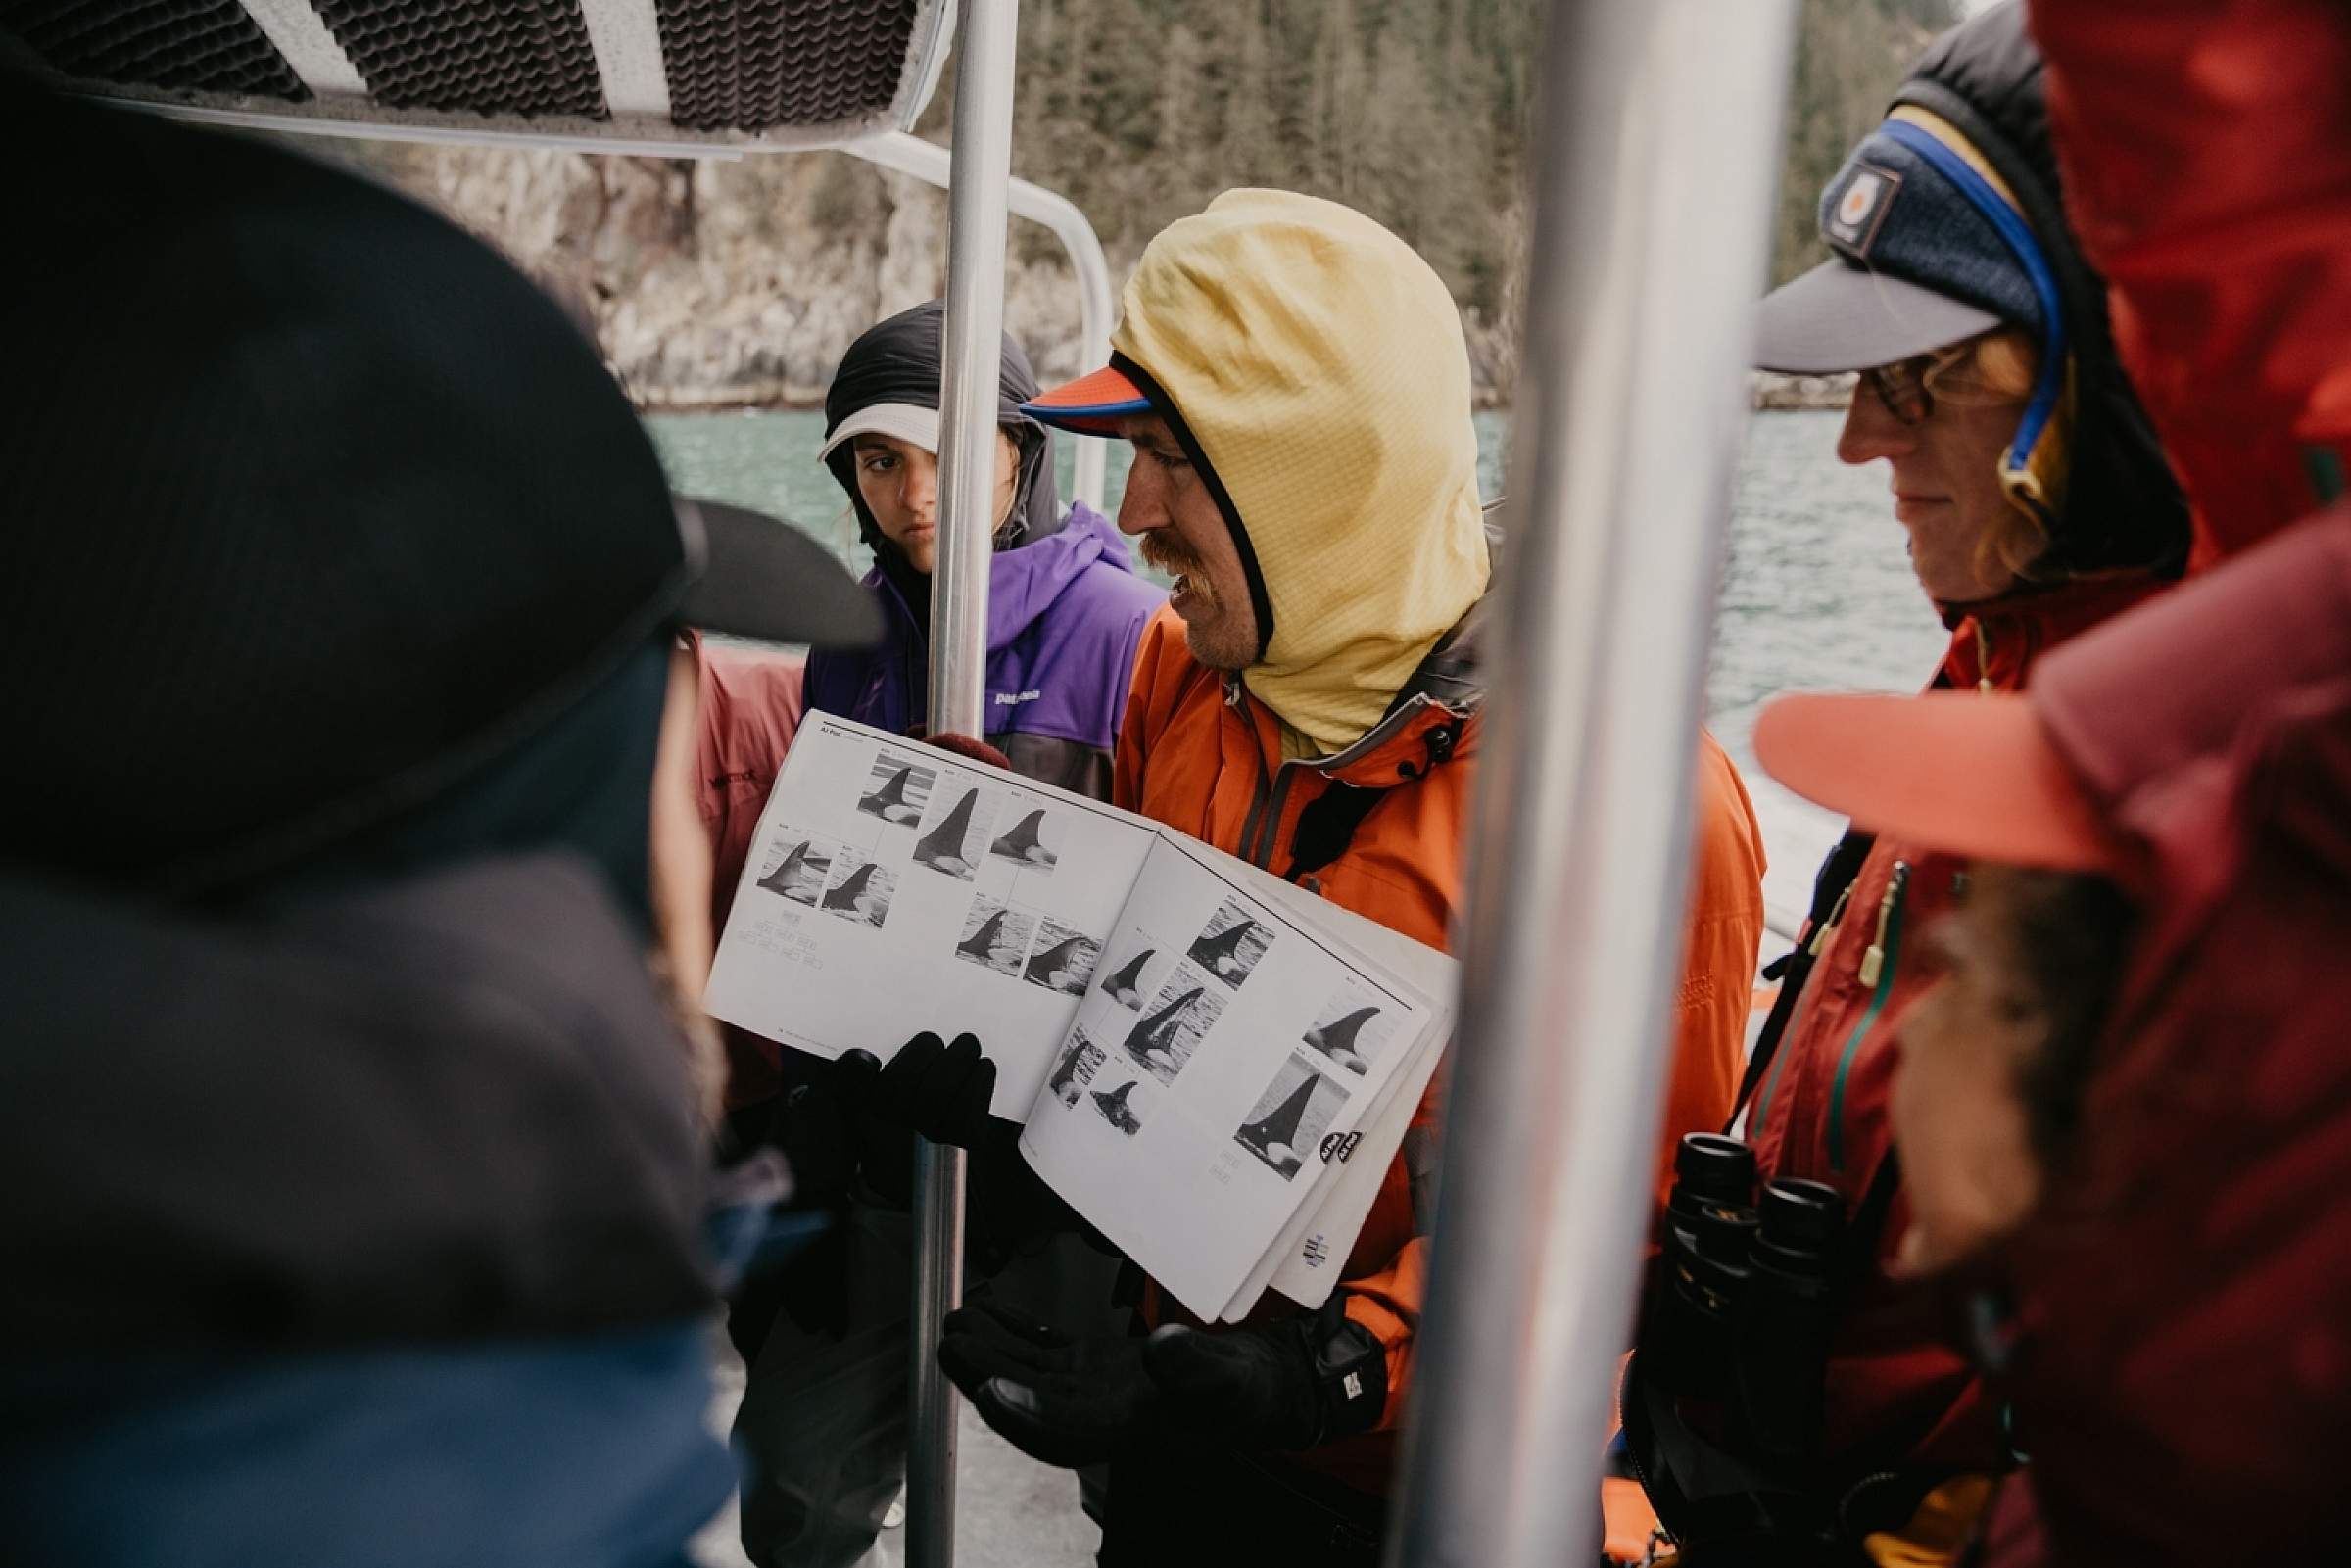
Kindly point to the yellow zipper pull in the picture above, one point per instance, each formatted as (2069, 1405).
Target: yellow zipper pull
(1982, 659)
(1820, 938)
(1873, 962)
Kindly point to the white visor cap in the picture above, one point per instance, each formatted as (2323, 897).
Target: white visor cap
(901, 422)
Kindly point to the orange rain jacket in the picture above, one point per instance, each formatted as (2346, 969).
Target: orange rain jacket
(1202, 755)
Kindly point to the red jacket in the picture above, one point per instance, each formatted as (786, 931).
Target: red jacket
(1202, 755)
(1895, 1389)
(2183, 1375)
(750, 709)
(2207, 166)
(2182, 1372)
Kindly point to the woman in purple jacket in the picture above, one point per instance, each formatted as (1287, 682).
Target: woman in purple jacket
(822, 1424)
(1065, 610)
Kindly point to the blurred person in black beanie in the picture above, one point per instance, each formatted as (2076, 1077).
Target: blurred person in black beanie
(355, 1170)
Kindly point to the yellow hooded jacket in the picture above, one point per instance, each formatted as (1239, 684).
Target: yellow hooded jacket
(1319, 364)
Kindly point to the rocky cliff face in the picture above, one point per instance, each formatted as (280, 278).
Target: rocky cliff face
(713, 284)
(740, 284)
(728, 284)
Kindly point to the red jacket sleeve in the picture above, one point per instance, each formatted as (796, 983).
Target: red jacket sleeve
(750, 707)
(2208, 173)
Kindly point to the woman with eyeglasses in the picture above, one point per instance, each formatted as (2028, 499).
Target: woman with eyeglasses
(2037, 504)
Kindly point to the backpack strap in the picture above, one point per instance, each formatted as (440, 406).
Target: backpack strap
(1326, 827)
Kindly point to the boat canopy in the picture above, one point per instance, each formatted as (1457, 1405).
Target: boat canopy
(702, 78)
(666, 74)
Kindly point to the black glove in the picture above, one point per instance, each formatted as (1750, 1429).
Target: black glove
(1078, 1401)
(941, 1091)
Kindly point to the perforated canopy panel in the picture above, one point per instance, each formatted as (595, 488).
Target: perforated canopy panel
(779, 73)
(803, 62)
(521, 57)
(210, 45)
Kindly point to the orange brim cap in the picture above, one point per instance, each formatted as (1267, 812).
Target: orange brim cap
(1091, 405)
(1973, 775)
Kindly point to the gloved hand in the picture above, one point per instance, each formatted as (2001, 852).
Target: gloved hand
(1073, 1402)
(939, 1090)
(944, 1092)
(969, 750)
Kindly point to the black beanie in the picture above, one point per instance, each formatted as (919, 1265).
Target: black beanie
(315, 505)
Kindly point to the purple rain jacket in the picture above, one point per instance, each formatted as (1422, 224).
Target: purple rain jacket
(1065, 614)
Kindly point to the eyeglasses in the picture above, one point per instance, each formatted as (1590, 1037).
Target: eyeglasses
(1910, 388)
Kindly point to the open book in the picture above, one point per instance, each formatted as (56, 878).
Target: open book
(1213, 1066)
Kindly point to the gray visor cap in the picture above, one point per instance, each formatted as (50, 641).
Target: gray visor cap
(1839, 316)
(751, 575)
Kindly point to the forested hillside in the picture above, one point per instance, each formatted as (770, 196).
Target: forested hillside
(742, 282)
(1416, 110)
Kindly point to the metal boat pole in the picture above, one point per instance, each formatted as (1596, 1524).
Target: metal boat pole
(1653, 182)
(967, 459)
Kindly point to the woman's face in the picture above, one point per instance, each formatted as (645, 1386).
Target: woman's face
(899, 483)
(1946, 479)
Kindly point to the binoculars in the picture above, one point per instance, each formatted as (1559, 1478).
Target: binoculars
(1738, 1324)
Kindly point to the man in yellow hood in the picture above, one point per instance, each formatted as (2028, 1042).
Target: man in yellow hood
(1295, 385)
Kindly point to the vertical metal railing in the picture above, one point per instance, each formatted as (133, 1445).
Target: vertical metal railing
(967, 456)
(1653, 178)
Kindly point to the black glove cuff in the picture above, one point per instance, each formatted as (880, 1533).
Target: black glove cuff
(1350, 1370)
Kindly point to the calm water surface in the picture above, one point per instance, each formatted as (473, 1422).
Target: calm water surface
(1817, 592)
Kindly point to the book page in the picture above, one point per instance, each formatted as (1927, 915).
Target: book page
(892, 887)
(1220, 1065)
(1308, 1259)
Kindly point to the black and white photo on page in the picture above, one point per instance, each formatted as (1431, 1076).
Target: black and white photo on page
(1062, 960)
(1120, 1105)
(1075, 1071)
(1353, 1026)
(955, 835)
(1170, 1031)
(1028, 837)
(995, 936)
(797, 865)
(1284, 1129)
(860, 889)
(1123, 980)
(897, 788)
(1234, 940)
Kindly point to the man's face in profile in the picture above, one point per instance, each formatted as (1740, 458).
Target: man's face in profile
(1168, 507)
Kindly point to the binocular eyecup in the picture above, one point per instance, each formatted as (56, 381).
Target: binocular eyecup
(1739, 1325)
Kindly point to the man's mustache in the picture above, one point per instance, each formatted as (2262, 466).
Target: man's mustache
(1175, 559)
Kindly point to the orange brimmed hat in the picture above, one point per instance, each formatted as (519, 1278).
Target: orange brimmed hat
(1972, 776)
(1092, 405)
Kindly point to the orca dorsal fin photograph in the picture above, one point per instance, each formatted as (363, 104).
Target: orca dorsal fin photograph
(787, 870)
(984, 938)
